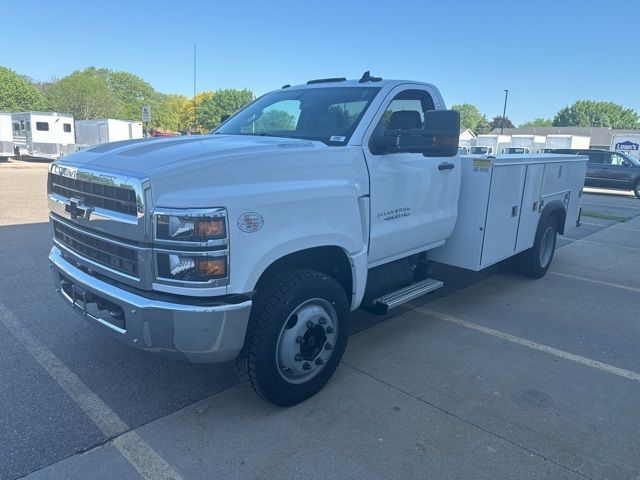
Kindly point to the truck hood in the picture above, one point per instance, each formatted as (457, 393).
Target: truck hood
(150, 157)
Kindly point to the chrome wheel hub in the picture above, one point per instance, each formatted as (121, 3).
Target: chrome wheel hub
(306, 341)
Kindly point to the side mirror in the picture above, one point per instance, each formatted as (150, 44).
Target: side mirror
(224, 118)
(438, 138)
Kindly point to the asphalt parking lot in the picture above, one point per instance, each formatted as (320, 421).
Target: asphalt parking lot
(495, 376)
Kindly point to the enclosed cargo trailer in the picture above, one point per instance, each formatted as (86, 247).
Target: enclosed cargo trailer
(43, 134)
(104, 130)
(6, 136)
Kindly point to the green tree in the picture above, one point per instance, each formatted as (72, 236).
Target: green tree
(498, 123)
(588, 113)
(84, 95)
(483, 126)
(470, 116)
(274, 120)
(224, 102)
(537, 122)
(18, 94)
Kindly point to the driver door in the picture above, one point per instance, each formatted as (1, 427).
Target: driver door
(414, 199)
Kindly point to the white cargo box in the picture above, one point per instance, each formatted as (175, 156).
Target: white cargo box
(98, 131)
(6, 135)
(501, 200)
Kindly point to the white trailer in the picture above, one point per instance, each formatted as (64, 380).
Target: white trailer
(135, 130)
(489, 144)
(43, 134)
(104, 130)
(554, 142)
(628, 143)
(525, 144)
(6, 136)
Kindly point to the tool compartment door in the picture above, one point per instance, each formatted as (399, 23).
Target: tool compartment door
(503, 213)
(530, 211)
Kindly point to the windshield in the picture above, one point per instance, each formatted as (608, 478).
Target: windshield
(329, 115)
(511, 150)
(480, 150)
(630, 159)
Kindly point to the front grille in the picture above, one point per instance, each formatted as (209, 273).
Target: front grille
(109, 197)
(117, 257)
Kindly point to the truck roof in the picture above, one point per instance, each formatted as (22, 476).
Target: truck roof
(336, 82)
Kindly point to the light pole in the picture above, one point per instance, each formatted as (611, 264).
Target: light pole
(195, 106)
(504, 111)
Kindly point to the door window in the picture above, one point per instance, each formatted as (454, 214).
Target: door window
(617, 160)
(406, 111)
(596, 157)
(16, 127)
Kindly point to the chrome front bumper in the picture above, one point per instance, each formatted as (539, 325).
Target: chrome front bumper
(210, 333)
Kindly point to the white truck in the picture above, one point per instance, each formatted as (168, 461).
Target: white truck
(6, 135)
(104, 130)
(628, 143)
(43, 134)
(254, 243)
(489, 144)
(525, 144)
(555, 142)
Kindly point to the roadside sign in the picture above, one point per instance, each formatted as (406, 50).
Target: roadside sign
(146, 113)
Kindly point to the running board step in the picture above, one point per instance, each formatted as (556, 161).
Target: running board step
(406, 294)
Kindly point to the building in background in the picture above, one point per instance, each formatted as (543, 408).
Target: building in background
(464, 142)
(600, 136)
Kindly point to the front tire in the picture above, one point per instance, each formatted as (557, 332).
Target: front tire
(296, 336)
(536, 261)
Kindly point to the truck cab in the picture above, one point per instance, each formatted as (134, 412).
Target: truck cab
(255, 242)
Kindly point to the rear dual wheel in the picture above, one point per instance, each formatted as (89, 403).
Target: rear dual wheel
(536, 261)
(296, 336)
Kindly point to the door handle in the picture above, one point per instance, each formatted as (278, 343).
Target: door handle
(446, 166)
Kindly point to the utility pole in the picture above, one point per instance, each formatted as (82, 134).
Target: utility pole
(504, 111)
(195, 105)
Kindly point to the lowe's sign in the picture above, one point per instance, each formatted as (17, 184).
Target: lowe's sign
(627, 146)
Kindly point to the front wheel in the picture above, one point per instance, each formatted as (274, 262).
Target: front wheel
(536, 261)
(297, 334)
(636, 189)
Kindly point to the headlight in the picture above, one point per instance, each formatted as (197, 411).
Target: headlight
(186, 267)
(193, 226)
(191, 247)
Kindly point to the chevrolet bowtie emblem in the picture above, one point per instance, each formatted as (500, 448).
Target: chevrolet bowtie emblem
(77, 209)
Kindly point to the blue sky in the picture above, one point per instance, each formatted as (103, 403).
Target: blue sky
(547, 53)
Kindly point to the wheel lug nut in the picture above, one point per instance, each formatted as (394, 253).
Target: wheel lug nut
(306, 366)
(329, 329)
(309, 324)
(323, 321)
(319, 361)
(299, 339)
(298, 357)
(328, 346)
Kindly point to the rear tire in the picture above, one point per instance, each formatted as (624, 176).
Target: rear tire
(535, 262)
(296, 336)
(636, 189)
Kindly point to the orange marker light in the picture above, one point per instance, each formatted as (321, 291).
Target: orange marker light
(212, 267)
(210, 228)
